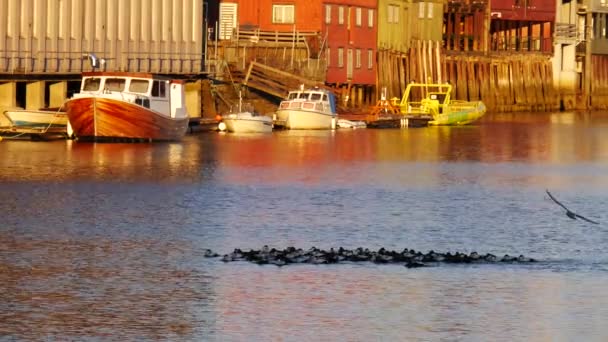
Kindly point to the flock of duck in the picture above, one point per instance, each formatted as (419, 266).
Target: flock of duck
(408, 257)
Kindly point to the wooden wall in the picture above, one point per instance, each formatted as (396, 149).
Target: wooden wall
(505, 83)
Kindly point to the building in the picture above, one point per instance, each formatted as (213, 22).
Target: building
(351, 30)
(44, 41)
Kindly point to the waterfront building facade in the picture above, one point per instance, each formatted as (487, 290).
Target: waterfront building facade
(351, 29)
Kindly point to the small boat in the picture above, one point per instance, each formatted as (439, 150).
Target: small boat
(36, 118)
(313, 108)
(125, 105)
(245, 120)
(433, 102)
(344, 123)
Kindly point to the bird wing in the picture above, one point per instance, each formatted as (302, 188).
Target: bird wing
(568, 211)
(556, 201)
(586, 219)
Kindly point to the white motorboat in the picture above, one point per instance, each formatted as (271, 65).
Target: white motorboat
(245, 120)
(313, 108)
(36, 118)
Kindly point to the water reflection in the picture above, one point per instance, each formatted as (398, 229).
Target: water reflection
(106, 241)
(186, 161)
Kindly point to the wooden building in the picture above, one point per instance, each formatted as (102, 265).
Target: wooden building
(522, 25)
(269, 15)
(351, 30)
(394, 32)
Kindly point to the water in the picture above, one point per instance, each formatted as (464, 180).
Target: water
(106, 241)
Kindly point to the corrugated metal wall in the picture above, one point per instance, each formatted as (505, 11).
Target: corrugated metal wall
(51, 36)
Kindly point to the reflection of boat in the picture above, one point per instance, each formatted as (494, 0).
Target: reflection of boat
(432, 101)
(246, 120)
(36, 118)
(308, 109)
(128, 105)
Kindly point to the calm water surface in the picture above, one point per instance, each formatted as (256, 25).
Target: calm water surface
(106, 241)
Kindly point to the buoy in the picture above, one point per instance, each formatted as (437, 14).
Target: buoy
(221, 126)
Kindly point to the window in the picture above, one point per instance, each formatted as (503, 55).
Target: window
(283, 14)
(429, 13)
(315, 97)
(341, 15)
(358, 58)
(358, 16)
(370, 18)
(393, 14)
(370, 58)
(158, 89)
(91, 84)
(138, 86)
(340, 57)
(327, 14)
(115, 84)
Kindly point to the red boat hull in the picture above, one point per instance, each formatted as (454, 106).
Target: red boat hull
(101, 118)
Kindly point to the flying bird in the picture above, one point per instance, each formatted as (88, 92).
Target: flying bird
(570, 213)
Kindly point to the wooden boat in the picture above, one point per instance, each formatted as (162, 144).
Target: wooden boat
(245, 120)
(307, 109)
(36, 118)
(433, 101)
(122, 105)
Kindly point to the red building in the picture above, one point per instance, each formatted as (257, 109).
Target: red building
(351, 31)
(347, 30)
(271, 15)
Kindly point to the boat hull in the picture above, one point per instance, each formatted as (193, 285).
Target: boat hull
(248, 124)
(36, 118)
(302, 119)
(460, 116)
(98, 118)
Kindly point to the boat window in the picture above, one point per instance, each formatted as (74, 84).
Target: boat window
(315, 97)
(325, 97)
(292, 96)
(115, 84)
(158, 89)
(303, 95)
(139, 86)
(91, 84)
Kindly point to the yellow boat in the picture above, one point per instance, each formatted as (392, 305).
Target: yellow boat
(433, 102)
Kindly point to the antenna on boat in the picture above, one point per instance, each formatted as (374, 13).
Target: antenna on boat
(95, 62)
